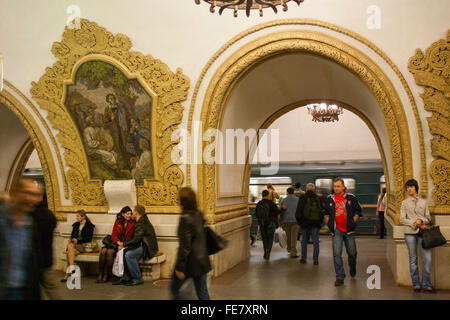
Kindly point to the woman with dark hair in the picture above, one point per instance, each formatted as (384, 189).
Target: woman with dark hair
(381, 205)
(82, 232)
(192, 259)
(123, 230)
(415, 215)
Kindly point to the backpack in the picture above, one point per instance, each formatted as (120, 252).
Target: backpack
(262, 213)
(312, 209)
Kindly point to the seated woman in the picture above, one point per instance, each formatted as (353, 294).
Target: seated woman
(123, 230)
(82, 232)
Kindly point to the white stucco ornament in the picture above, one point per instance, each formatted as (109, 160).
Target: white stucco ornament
(120, 193)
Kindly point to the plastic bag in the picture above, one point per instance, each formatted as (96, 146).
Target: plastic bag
(282, 238)
(118, 267)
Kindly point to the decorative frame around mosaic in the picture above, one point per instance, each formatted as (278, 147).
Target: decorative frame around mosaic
(92, 42)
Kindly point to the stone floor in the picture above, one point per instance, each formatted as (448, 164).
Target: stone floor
(280, 278)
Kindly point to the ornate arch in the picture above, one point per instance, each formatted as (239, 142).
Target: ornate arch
(328, 47)
(432, 71)
(39, 142)
(92, 42)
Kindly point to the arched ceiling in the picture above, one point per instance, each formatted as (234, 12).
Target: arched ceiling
(12, 137)
(282, 80)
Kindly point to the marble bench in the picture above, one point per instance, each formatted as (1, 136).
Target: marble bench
(151, 268)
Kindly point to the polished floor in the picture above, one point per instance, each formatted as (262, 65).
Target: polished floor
(280, 278)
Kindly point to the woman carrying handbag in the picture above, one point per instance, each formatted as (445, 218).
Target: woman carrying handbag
(192, 258)
(415, 215)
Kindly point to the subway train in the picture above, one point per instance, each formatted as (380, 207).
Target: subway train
(363, 178)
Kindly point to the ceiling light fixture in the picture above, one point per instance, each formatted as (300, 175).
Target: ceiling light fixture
(247, 5)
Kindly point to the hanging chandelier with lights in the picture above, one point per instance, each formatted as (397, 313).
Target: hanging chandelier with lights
(247, 5)
(322, 112)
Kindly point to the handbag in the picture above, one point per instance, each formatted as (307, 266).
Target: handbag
(282, 238)
(118, 266)
(432, 237)
(109, 243)
(214, 241)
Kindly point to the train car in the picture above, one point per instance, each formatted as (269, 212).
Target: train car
(363, 178)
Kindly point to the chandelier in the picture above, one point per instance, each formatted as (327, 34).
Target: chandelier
(322, 112)
(247, 5)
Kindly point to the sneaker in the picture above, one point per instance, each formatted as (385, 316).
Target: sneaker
(316, 263)
(352, 273)
(417, 289)
(338, 283)
(294, 256)
(303, 261)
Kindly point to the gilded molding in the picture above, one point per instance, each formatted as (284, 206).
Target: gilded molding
(335, 28)
(92, 42)
(432, 71)
(330, 48)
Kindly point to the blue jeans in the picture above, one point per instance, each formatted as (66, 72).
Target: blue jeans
(200, 284)
(350, 246)
(132, 271)
(315, 238)
(412, 240)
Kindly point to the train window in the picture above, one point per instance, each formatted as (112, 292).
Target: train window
(350, 183)
(257, 185)
(324, 186)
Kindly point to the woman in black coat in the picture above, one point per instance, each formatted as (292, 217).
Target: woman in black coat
(192, 259)
(82, 232)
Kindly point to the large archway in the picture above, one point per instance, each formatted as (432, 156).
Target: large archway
(23, 137)
(384, 105)
(258, 80)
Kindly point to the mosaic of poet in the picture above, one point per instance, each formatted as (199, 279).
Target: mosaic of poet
(113, 116)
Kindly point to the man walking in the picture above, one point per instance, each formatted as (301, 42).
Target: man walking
(342, 211)
(267, 214)
(309, 216)
(46, 224)
(19, 243)
(288, 222)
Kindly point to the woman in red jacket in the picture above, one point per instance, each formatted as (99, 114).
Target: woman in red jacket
(123, 230)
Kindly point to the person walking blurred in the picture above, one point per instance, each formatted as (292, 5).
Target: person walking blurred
(20, 263)
(192, 257)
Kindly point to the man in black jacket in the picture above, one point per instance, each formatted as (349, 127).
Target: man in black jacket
(143, 245)
(267, 214)
(46, 224)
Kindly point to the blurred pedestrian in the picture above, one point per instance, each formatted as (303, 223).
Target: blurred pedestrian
(19, 243)
(192, 258)
(46, 224)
